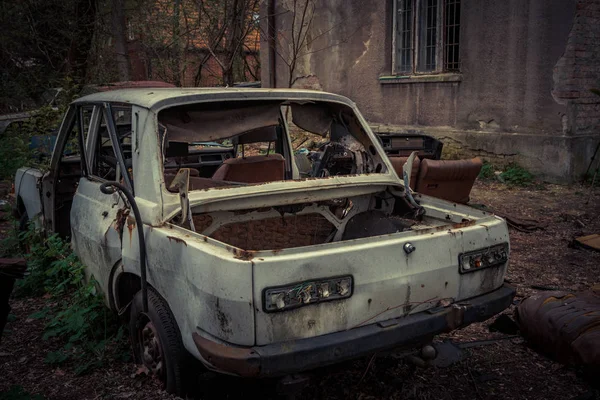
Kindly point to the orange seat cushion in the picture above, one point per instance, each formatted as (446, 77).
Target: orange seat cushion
(252, 169)
(451, 180)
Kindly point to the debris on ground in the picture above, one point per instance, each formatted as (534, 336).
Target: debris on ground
(564, 325)
(504, 324)
(590, 242)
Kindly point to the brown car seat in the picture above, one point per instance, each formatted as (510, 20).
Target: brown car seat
(173, 171)
(252, 169)
(448, 179)
(398, 163)
(196, 182)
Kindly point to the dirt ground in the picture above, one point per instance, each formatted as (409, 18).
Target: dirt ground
(504, 369)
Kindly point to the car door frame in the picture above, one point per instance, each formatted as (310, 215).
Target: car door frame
(112, 215)
(48, 183)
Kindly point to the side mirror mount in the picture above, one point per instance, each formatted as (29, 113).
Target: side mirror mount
(181, 184)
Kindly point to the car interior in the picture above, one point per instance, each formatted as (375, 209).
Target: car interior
(244, 143)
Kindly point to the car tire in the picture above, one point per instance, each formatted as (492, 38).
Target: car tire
(156, 342)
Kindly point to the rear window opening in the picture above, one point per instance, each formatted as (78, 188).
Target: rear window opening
(232, 144)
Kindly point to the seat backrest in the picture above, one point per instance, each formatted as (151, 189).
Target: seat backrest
(173, 171)
(398, 163)
(196, 182)
(448, 179)
(252, 169)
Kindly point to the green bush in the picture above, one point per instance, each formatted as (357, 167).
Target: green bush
(487, 171)
(9, 245)
(514, 174)
(45, 121)
(18, 393)
(14, 144)
(75, 312)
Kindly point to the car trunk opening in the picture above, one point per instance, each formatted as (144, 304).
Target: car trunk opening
(276, 227)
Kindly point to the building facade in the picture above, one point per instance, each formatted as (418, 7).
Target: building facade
(507, 80)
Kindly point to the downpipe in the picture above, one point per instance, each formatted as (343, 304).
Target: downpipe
(110, 188)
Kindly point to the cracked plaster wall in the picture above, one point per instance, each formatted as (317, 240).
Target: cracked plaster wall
(503, 108)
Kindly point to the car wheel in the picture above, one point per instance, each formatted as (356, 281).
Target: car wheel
(156, 341)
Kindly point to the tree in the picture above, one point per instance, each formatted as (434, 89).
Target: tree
(288, 45)
(296, 36)
(119, 31)
(41, 43)
(230, 22)
(183, 34)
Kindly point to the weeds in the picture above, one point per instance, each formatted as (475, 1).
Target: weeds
(512, 175)
(10, 246)
(516, 175)
(18, 393)
(75, 312)
(487, 171)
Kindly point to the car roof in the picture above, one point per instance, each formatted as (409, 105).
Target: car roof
(159, 98)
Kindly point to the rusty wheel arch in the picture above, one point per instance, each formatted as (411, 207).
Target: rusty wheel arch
(123, 286)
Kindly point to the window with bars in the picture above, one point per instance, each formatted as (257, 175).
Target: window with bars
(427, 36)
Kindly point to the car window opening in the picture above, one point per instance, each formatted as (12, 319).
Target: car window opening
(232, 144)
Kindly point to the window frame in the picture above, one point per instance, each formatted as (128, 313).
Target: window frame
(105, 110)
(417, 49)
(71, 121)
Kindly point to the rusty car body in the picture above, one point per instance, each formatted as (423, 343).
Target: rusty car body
(257, 269)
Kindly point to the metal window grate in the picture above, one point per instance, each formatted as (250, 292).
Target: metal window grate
(404, 40)
(431, 34)
(452, 39)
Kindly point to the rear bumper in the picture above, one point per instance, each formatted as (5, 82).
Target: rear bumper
(304, 354)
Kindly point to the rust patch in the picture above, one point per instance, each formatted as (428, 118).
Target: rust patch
(223, 319)
(178, 240)
(242, 361)
(276, 251)
(407, 305)
(463, 224)
(458, 225)
(130, 226)
(240, 254)
(122, 213)
(455, 317)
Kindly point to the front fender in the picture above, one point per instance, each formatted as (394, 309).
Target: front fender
(27, 193)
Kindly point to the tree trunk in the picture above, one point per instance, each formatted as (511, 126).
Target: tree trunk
(228, 79)
(119, 31)
(85, 12)
(176, 44)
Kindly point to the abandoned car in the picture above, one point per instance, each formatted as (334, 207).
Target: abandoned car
(199, 220)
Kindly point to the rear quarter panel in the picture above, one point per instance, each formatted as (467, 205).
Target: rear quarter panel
(207, 286)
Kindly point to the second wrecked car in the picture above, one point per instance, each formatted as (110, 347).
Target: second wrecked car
(263, 262)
